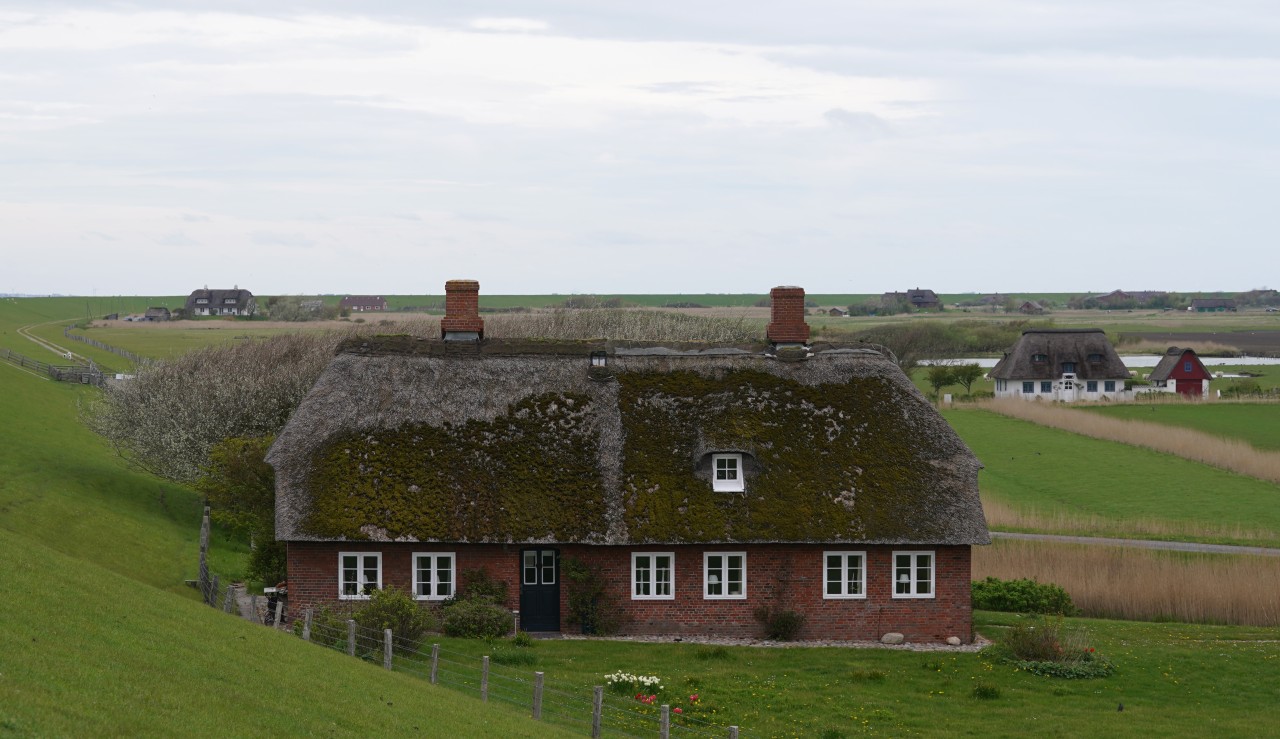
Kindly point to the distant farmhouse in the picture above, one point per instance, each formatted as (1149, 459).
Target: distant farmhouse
(363, 303)
(156, 314)
(1061, 364)
(917, 299)
(1212, 305)
(1123, 299)
(1181, 371)
(233, 302)
(1031, 308)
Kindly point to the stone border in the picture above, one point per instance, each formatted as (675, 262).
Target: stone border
(978, 643)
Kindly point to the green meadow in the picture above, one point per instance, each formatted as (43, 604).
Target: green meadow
(1255, 423)
(103, 638)
(1051, 472)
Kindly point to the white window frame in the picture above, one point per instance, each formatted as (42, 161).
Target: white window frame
(648, 576)
(361, 584)
(861, 582)
(434, 568)
(913, 574)
(735, 485)
(721, 574)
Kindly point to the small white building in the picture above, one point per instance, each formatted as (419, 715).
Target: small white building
(1061, 364)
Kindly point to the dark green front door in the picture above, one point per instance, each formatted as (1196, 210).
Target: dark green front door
(540, 590)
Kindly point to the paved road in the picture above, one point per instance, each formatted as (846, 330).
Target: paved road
(1177, 546)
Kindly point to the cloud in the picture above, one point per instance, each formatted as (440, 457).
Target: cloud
(509, 25)
(271, 238)
(867, 124)
(177, 239)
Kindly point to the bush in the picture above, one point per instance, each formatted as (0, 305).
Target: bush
(393, 608)
(477, 618)
(328, 626)
(1047, 647)
(590, 604)
(780, 625)
(1022, 596)
(478, 584)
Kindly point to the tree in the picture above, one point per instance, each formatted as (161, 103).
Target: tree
(965, 375)
(241, 490)
(940, 375)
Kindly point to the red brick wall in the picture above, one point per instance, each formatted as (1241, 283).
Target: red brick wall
(783, 576)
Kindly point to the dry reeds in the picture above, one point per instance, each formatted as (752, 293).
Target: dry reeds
(1003, 516)
(1203, 348)
(1228, 454)
(1145, 585)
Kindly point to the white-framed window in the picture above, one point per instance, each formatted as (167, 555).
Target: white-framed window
(201, 301)
(1028, 387)
(913, 574)
(844, 574)
(1109, 386)
(359, 574)
(726, 473)
(653, 575)
(1046, 386)
(1002, 385)
(724, 575)
(434, 575)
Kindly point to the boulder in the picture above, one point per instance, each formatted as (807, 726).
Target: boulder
(953, 641)
(892, 637)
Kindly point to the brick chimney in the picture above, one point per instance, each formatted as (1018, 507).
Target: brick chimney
(786, 325)
(462, 321)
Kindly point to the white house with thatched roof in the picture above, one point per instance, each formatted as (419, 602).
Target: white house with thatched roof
(1062, 364)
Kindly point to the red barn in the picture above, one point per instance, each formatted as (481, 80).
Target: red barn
(702, 482)
(1181, 371)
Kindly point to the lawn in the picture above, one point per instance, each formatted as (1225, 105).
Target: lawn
(1174, 680)
(1255, 423)
(1031, 467)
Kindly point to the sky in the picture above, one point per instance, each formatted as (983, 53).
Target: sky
(599, 146)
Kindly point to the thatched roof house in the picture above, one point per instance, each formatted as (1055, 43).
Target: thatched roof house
(218, 302)
(1061, 364)
(672, 464)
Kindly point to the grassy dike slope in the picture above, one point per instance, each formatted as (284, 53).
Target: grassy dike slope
(100, 637)
(90, 652)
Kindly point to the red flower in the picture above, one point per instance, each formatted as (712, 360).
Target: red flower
(678, 709)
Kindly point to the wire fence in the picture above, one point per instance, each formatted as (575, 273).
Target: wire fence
(136, 359)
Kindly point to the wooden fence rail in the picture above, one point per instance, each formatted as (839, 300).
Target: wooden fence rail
(61, 372)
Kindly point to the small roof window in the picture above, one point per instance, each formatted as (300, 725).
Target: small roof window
(1095, 357)
(726, 473)
(599, 359)
(1040, 358)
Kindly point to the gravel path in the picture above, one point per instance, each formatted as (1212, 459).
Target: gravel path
(1176, 546)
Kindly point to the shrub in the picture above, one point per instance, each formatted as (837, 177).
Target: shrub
(523, 640)
(1022, 596)
(328, 626)
(780, 625)
(590, 604)
(478, 584)
(393, 608)
(477, 618)
(1047, 647)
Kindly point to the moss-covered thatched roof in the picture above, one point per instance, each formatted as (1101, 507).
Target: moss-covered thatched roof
(1059, 345)
(524, 441)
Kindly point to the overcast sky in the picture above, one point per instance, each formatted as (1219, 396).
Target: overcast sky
(656, 147)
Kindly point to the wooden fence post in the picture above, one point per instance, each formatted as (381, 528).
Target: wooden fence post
(203, 575)
(279, 613)
(537, 695)
(213, 592)
(231, 598)
(306, 626)
(597, 710)
(733, 732)
(253, 607)
(435, 662)
(386, 648)
(664, 722)
(351, 637)
(484, 679)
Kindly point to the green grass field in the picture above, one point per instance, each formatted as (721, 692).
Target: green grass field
(1047, 470)
(102, 637)
(1255, 423)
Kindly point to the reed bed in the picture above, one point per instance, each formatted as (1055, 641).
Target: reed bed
(1001, 515)
(1145, 585)
(1203, 348)
(617, 324)
(1228, 454)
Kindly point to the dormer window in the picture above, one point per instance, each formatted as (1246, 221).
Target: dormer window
(726, 473)
(1095, 358)
(1039, 358)
(599, 359)
(1068, 367)
(202, 301)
